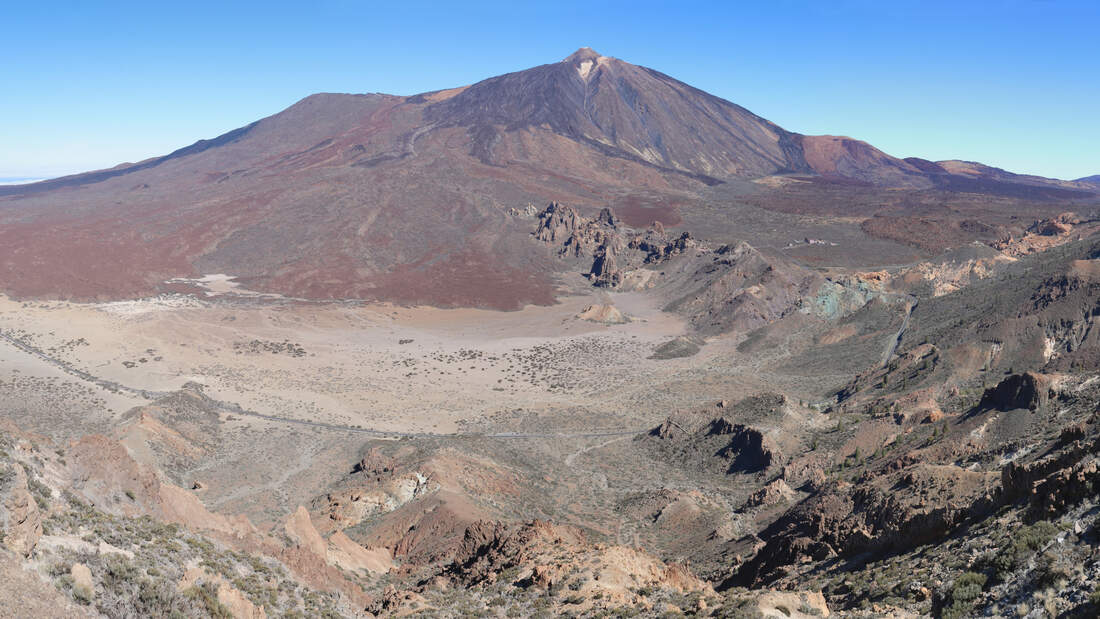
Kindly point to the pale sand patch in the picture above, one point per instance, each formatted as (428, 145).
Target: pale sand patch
(214, 284)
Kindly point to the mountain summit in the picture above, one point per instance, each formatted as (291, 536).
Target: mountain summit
(624, 111)
(583, 54)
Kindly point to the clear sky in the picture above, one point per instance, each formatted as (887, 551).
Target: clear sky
(1012, 83)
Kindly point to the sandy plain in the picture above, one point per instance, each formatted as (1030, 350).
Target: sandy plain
(304, 387)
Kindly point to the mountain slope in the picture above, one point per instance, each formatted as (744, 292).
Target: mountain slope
(406, 198)
(624, 111)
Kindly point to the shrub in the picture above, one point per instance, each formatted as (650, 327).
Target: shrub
(1048, 572)
(964, 592)
(1020, 546)
(205, 597)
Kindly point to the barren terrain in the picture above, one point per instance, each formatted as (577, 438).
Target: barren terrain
(579, 340)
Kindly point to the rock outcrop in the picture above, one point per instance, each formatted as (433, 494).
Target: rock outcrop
(602, 313)
(299, 528)
(738, 288)
(605, 271)
(790, 604)
(339, 550)
(718, 445)
(775, 492)
(614, 248)
(384, 492)
(1028, 390)
(889, 512)
(1049, 232)
(573, 234)
(349, 556)
(550, 556)
(229, 596)
(103, 471)
(82, 580)
(657, 246)
(22, 519)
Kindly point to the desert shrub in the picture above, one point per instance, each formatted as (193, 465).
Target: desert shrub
(1021, 545)
(806, 609)
(120, 573)
(737, 608)
(959, 601)
(40, 491)
(7, 474)
(1048, 571)
(206, 598)
(82, 595)
(574, 599)
(1094, 597)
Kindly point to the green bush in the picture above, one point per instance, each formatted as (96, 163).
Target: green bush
(1021, 545)
(1094, 597)
(206, 598)
(964, 592)
(1049, 572)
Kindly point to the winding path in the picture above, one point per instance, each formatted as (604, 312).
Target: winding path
(892, 345)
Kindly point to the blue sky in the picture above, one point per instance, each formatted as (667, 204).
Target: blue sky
(1010, 83)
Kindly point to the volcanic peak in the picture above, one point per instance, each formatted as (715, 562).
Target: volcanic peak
(582, 54)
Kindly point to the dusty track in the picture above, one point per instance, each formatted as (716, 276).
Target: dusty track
(892, 345)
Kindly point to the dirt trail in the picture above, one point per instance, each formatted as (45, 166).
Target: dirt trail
(892, 345)
(571, 458)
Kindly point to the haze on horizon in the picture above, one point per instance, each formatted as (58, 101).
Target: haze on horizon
(1003, 83)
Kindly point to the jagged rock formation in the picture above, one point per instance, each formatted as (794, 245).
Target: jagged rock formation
(716, 445)
(729, 288)
(657, 246)
(577, 236)
(614, 248)
(1055, 226)
(551, 557)
(884, 513)
(1048, 233)
(605, 271)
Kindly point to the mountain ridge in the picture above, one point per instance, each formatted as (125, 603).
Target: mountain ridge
(384, 197)
(462, 106)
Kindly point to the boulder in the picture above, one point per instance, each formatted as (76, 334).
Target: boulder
(83, 585)
(774, 493)
(606, 314)
(791, 604)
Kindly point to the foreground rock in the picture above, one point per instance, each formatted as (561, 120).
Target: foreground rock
(21, 515)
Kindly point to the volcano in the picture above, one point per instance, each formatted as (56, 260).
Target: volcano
(407, 199)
